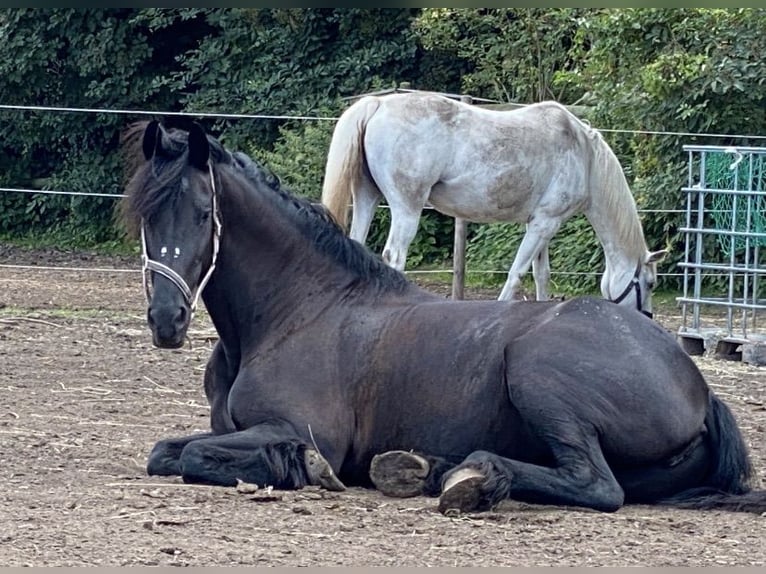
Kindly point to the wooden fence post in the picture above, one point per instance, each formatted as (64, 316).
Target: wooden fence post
(458, 259)
(458, 250)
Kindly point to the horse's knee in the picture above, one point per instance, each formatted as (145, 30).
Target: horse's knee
(394, 258)
(600, 492)
(164, 459)
(510, 288)
(608, 497)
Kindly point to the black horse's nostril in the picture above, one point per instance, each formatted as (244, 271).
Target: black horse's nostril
(167, 319)
(181, 316)
(150, 317)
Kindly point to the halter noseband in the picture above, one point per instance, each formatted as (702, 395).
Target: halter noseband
(148, 264)
(634, 284)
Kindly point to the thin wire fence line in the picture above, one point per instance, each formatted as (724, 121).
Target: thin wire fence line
(316, 118)
(160, 113)
(54, 192)
(407, 272)
(68, 268)
(119, 195)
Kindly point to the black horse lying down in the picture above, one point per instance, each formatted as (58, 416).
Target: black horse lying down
(327, 357)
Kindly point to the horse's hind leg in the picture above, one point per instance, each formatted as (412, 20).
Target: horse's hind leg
(404, 226)
(485, 479)
(539, 233)
(366, 199)
(579, 476)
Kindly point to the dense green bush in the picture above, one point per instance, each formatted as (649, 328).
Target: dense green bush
(296, 157)
(236, 61)
(689, 71)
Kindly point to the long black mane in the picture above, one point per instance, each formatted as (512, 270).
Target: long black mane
(152, 184)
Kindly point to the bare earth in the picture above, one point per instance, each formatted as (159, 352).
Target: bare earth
(85, 396)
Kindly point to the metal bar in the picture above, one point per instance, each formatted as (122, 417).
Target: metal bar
(723, 191)
(725, 149)
(720, 303)
(723, 232)
(686, 242)
(721, 268)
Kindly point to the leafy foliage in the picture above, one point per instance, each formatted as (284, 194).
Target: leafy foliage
(294, 62)
(295, 159)
(239, 61)
(689, 71)
(515, 54)
(84, 58)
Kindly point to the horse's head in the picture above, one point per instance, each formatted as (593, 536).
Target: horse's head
(637, 292)
(175, 197)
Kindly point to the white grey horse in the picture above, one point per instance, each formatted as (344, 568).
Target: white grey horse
(537, 165)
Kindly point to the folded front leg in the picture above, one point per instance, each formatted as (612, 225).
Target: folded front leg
(266, 455)
(165, 458)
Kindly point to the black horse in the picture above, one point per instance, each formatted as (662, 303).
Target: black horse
(333, 369)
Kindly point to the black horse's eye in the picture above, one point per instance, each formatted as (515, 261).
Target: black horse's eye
(203, 216)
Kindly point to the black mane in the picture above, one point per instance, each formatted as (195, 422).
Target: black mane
(316, 223)
(155, 182)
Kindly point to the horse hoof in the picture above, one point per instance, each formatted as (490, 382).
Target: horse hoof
(399, 473)
(320, 472)
(462, 492)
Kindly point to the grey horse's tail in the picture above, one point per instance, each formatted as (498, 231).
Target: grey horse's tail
(345, 158)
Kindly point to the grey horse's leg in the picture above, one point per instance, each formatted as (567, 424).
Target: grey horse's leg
(536, 240)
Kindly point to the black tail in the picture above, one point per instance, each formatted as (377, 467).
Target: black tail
(727, 486)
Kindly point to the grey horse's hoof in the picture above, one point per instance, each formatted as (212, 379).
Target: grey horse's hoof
(462, 492)
(399, 473)
(320, 472)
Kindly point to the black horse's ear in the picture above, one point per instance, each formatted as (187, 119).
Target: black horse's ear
(151, 136)
(199, 148)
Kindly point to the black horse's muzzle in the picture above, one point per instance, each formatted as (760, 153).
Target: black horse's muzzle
(169, 324)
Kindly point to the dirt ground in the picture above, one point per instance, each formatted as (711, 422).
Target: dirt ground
(85, 396)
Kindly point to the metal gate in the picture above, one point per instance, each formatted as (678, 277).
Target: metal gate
(724, 263)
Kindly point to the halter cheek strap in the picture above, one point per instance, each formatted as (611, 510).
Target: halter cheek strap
(147, 264)
(634, 284)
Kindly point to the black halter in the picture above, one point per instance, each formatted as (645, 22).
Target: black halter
(634, 284)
